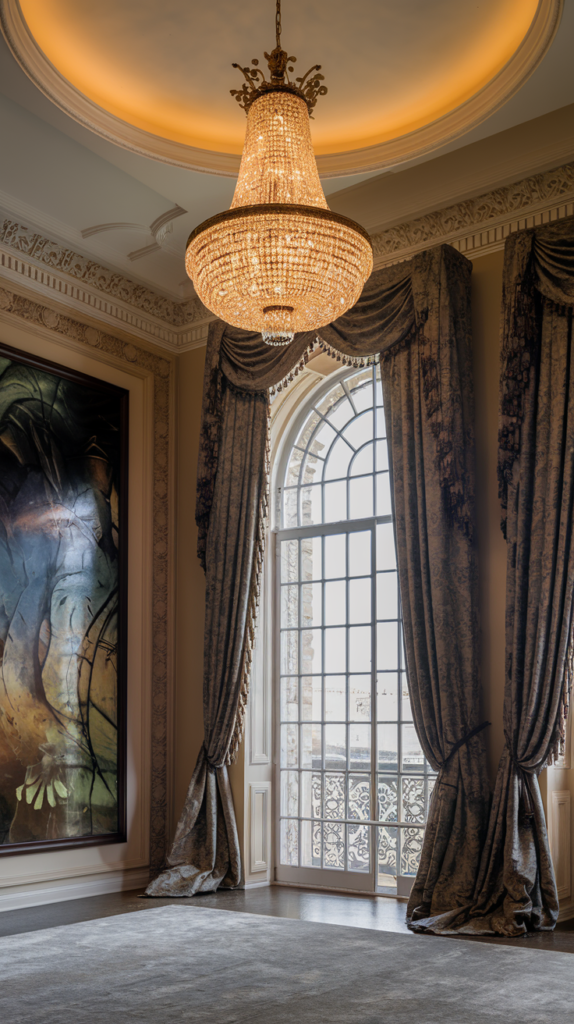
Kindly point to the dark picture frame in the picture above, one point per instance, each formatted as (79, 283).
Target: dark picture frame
(64, 439)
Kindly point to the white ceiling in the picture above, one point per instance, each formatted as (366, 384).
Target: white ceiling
(65, 180)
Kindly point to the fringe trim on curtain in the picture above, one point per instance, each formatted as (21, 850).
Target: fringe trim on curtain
(354, 361)
(254, 595)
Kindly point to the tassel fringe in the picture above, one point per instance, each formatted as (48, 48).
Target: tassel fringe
(353, 361)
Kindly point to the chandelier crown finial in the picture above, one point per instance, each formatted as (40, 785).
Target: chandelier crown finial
(309, 86)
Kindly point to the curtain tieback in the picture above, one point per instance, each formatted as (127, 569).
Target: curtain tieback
(460, 743)
(210, 764)
(525, 800)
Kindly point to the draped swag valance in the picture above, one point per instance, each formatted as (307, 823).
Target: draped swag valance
(415, 316)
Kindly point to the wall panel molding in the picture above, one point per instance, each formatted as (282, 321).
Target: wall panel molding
(259, 827)
(21, 309)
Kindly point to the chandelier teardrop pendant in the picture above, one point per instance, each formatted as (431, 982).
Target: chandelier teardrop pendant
(279, 260)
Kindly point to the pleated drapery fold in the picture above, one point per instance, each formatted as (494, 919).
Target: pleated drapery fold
(414, 315)
(516, 888)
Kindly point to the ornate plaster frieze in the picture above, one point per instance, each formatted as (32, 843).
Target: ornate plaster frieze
(58, 258)
(484, 222)
(474, 227)
(23, 308)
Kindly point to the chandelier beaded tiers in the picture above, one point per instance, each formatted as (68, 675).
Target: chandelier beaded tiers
(279, 260)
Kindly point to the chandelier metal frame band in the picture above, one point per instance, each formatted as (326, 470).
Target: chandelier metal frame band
(281, 209)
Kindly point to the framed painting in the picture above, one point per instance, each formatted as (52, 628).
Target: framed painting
(63, 584)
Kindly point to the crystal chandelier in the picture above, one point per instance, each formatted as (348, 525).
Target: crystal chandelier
(279, 260)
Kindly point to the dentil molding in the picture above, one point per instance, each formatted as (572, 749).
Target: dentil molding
(474, 227)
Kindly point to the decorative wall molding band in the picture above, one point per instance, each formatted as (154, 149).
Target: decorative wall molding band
(22, 308)
(474, 227)
(484, 222)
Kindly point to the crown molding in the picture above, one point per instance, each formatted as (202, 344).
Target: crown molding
(474, 227)
(480, 225)
(409, 146)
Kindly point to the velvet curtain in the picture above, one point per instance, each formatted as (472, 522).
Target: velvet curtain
(516, 890)
(416, 315)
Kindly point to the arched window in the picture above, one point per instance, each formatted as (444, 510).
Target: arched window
(354, 785)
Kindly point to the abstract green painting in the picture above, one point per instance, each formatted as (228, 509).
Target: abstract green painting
(63, 494)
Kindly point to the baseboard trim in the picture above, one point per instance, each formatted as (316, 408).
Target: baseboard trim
(77, 889)
(258, 885)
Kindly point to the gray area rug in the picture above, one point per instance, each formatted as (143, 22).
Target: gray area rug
(177, 964)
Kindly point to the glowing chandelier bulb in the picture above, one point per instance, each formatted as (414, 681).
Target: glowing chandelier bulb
(279, 261)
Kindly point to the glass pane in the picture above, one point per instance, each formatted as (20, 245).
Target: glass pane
(360, 746)
(406, 710)
(360, 649)
(310, 746)
(386, 556)
(308, 429)
(289, 699)
(335, 649)
(413, 799)
(290, 653)
(328, 404)
(333, 846)
(335, 698)
(361, 497)
(358, 852)
(387, 646)
(359, 797)
(334, 795)
(335, 746)
(338, 461)
(363, 462)
(387, 798)
(412, 755)
(290, 793)
(310, 558)
(387, 856)
(322, 440)
(311, 604)
(289, 561)
(363, 376)
(290, 606)
(290, 507)
(363, 395)
(335, 502)
(292, 477)
(290, 842)
(311, 651)
(311, 505)
(384, 507)
(381, 456)
(387, 693)
(335, 603)
(387, 595)
(360, 553)
(311, 710)
(310, 844)
(311, 795)
(359, 430)
(289, 752)
(360, 600)
(387, 748)
(360, 698)
(342, 414)
(411, 846)
(335, 560)
(381, 425)
(312, 470)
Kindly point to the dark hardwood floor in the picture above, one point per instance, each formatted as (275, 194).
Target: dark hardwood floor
(375, 912)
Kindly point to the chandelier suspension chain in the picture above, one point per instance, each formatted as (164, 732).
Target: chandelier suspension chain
(278, 23)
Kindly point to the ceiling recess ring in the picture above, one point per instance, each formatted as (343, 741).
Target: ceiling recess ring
(379, 148)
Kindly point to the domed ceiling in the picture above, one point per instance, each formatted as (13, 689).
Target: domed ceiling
(403, 77)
